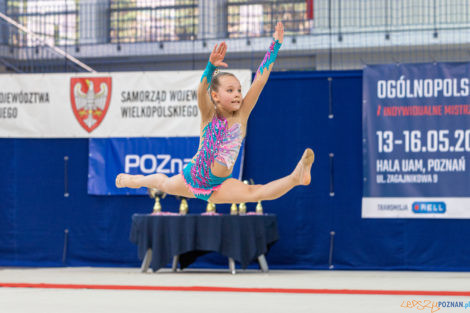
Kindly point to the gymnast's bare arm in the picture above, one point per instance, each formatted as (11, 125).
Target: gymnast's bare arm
(216, 59)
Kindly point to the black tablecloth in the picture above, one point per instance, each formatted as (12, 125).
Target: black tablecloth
(242, 238)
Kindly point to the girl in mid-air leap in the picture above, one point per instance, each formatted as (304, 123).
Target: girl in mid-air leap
(224, 116)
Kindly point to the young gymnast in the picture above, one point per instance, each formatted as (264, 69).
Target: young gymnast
(224, 116)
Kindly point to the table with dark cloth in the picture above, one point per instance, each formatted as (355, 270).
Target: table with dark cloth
(241, 237)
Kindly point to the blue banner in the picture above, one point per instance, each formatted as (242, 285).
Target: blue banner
(110, 156)
(416, 137)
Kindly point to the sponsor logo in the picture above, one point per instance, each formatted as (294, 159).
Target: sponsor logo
(90, 97)
(150, 163)
(429, 207)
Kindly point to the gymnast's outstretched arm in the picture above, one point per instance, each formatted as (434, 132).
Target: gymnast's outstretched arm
(262, 74)
(215, 60)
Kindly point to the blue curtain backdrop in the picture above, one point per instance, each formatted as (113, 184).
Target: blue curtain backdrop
(292, 113)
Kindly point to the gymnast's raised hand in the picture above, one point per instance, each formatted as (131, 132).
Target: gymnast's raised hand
(224, 116)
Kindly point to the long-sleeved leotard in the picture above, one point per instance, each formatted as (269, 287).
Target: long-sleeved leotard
(219, 143)
(269, 57)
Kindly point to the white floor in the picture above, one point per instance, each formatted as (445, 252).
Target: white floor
(119, 301)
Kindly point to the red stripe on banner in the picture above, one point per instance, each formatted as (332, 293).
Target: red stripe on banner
(239, 289)
(309, 9)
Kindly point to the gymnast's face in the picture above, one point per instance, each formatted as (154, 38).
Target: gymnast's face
(229, 94)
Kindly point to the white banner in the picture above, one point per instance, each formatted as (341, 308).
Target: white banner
(415, 207)
(130, 104)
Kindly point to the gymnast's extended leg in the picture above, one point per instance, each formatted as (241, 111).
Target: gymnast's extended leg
(174, 185)
(235, 191)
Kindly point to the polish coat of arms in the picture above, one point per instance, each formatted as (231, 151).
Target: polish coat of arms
(90, 98)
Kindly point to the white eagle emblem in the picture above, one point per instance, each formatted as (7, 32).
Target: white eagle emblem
(90, 105)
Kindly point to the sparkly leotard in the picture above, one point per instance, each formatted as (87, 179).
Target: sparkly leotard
(269, 57)
(220, 144)
(230, 146)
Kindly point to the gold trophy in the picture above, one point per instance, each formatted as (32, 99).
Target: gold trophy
(183, 206)
(242, 206)
(156, 194)
(210, 207)
(233, 209)
(259, 208)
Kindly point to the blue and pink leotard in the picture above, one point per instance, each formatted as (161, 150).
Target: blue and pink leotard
(219, 142)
